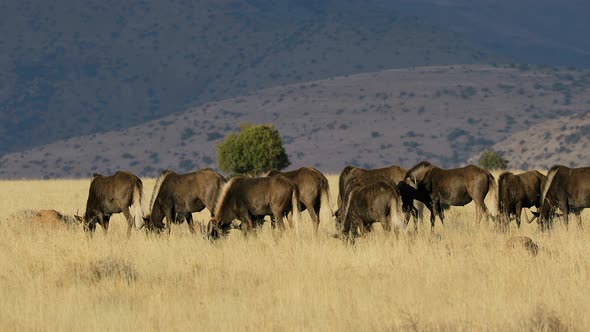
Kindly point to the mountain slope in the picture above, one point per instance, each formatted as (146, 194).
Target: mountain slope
(550, 32)
(565, 141)
(443, 114)
(69, 68)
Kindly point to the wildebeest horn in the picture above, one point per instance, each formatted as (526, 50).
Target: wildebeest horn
(535, 216)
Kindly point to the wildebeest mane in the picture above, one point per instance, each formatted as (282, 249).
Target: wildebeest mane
(418, 167)
(504, 176)
(158, 185)
(223, 193)
(547, 184)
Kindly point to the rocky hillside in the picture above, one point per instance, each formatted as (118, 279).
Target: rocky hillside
(76, 67)
(445, 114)
(565, 140)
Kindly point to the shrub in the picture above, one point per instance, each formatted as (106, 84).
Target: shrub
(491, 160)
(252, 151)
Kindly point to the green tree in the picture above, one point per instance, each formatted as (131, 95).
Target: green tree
(491, 160)
(252, 151)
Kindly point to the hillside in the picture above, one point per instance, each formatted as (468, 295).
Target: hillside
(70, 68)
(565, 140)
(445, 114)
(529, 31)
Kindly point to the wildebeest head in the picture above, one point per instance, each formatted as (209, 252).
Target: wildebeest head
(88, 222)
(546, 214)
(215, 230)
(150, 226)
(418, 173)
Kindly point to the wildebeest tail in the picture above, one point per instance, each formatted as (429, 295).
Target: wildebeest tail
(136, 209)
(396, 218)
(295, 209)
(493, 193)
(325, 209)
(503, 191)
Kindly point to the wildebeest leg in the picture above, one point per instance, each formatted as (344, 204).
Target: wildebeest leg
(191, 226)
(578, 214)
(415, 215)
(273, 222)
(170, 215)
(290, 219)
(277, 216)
(127, 215)
(441, 212)
(566, 211)
(247, 224)
(105, 223)
(433, 212)
(478, 213)
(518, 213)
(313, 213)
(102, 223)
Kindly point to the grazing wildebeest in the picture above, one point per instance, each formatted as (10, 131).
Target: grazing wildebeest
(453, 187)
(370, 200)
(518, 191)
(567, 189)
(250, 199)
(397, 175)
(120, 192)
(177, 196)
(314, 192)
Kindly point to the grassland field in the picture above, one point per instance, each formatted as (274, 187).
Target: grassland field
(461, 277)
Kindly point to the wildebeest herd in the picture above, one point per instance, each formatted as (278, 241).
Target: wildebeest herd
(391, 196)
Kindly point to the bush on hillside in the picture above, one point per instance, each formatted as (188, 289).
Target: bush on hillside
(491, 160)
(252, 151)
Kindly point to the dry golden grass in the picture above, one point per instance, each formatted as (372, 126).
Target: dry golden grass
(461, 277)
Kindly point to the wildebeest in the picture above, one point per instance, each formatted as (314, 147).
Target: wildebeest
(395, 173)
(120, 192)
(453, 187)
(567, 189)
(314, 192)
(397, 176)
(370, 200)
(518, 191)
(177, 196)
(250, 199)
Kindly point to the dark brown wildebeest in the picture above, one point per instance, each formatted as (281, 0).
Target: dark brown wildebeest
(314, 192)
(567, 189)
(370, 200)
(518, 191)
(250, 199)
(397, 175)
(177, 196)
(120, 192)
(453, 187)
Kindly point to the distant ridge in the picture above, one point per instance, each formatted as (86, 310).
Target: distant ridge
(445, 114)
